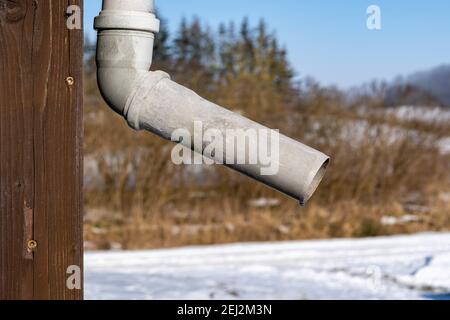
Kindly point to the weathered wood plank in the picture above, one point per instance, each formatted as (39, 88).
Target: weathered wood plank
(40, 149)
(16, 148)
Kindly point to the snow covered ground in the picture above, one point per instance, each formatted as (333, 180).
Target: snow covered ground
(401, 267)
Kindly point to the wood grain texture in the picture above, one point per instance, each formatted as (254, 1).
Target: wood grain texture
(40, 149)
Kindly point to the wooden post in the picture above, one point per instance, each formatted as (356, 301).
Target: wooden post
(41, 63)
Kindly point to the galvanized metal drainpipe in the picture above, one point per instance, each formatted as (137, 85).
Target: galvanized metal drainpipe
(152, 101)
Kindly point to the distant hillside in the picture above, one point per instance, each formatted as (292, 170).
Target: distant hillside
(436, 82)
(406, 94)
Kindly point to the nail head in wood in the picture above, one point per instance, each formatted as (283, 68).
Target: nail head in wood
(70, 81)
(32, 244)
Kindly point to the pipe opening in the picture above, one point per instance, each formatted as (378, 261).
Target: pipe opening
(315, 182)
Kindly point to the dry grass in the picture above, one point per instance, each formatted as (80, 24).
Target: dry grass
(346, 219)
(371, 177)
(382, 167)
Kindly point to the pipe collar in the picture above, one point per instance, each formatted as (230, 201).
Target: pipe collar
(127, 20)
(146, 82)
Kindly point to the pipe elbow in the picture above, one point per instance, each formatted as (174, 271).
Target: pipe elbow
(116, 86)
(126, 35)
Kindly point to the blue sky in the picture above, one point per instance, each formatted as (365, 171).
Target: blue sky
(328, 39)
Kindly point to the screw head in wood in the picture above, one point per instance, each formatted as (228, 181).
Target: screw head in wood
(32, 244)
(70, 81)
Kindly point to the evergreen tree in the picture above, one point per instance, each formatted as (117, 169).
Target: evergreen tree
(161, 51)
(246, 48)
(194, 52)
